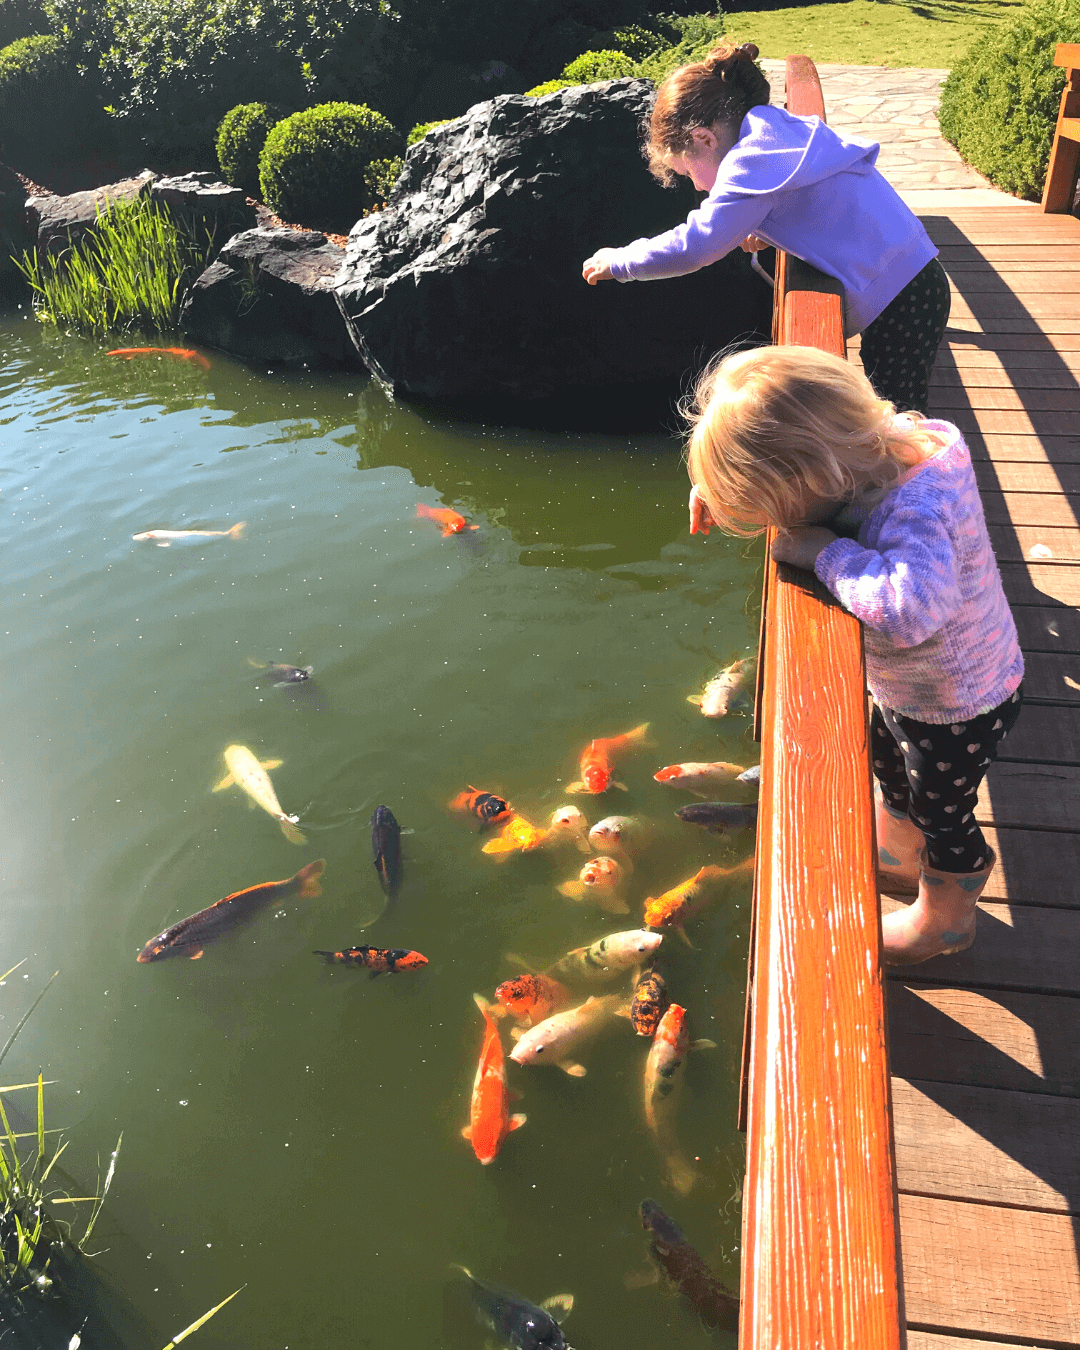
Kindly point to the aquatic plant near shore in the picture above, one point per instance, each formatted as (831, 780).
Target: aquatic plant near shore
(130, 272)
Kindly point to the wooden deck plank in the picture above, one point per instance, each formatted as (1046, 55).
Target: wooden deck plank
(1047, 676)
(981, 1268)
(928, 1340)
(1047, 630)
(1035, 867)
(1048, 733)
(1012, 421)
(992, 326)
(992, 305)
(1031, 948)
(1018, 279)
(1020, 476)
(956, 355)
(1048, 509)
(1031, 341)
(985, 1038)
(992, 1145)
(1017, 447)
(995, 375)
(1036, 583)
(1014, 543)
(1009, 398)
(1038, 796)
(963, 256)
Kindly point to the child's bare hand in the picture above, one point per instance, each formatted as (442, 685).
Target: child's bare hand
(752, 244)
(598, 267)
(700, 520)
(800, 546)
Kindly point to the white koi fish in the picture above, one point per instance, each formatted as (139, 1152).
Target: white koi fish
(163, 538)
(564, 1035)
(723, 689)
(247, 773)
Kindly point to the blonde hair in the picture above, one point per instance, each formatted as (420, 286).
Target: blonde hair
(776, 429)
(721, 88)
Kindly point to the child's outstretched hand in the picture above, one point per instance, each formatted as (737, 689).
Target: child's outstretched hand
(597, 268)
(700, 520)
(801, 545)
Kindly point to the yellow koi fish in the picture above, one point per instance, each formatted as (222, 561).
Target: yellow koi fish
(246, 772)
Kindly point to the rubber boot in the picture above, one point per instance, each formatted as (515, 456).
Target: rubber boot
(940, 921)
(900, 845)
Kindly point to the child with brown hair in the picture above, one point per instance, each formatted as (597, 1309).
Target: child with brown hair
(795, 183)
(795, 438)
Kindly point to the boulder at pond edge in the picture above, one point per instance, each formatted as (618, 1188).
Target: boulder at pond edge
(468, 285)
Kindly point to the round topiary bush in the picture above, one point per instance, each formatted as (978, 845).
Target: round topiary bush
(240, 139)
(45, 106)
(312, 167)
(592, 67)
(999, 104)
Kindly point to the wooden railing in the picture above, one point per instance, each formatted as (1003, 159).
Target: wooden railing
(1064, 168)
(820, 1267)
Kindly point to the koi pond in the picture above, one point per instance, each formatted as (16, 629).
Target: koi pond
(292, 1126)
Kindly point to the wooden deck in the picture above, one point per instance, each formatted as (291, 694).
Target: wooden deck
(985, 1046)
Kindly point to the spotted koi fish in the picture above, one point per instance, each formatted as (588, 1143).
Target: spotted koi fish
(663, 1087)
(651, 1000)
(530, 998)
(379, 960)
(190, 935)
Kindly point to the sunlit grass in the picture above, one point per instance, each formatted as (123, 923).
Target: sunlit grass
(871, 32)
(130, 272)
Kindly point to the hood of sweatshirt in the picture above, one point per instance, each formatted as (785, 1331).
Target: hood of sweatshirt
(778, 151)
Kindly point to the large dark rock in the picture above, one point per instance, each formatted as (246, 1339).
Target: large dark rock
(57, 221)
(468, 286)
(268, 297)
(210, 210)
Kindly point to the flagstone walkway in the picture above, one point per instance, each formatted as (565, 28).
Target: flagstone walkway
(898, 108)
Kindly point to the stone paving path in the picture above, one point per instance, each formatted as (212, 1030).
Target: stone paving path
(898, 108)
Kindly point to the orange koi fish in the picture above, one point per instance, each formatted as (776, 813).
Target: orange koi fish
(599, 756)
(190, 935)
(530, 998)
(379, 960)
(185, 353)
(489, 1122)
(676, 907)
(452, 522)
(517, 834)
(485, 806)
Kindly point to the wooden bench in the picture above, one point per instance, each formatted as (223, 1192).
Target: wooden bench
(820, 1259)
(1059, 191)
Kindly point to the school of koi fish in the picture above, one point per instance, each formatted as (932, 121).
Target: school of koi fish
(555, 1014)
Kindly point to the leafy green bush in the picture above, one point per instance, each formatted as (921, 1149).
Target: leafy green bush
(379, 179)
(131, 271)
(240, 139)
(19, 19)
(548, 87)
(695, 35)
(637, 42)
(589, 68)
(422, 128)
(999, 105)
(313, 164)
(45, 107)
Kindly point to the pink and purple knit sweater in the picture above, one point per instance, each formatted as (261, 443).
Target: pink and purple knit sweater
(940, 641)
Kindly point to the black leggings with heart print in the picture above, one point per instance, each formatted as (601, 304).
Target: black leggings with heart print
(931, 774)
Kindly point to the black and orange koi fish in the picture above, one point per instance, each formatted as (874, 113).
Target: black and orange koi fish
(485, 806)
(190, 935)
(379, 960)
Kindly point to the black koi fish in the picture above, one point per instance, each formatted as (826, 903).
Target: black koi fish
(717, 817)
(188, 937)
(685, 1270)
(516, 1321)
(379, 960)
(386, 845)
(283, 675)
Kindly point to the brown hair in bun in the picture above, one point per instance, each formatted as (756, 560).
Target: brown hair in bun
(721, 88)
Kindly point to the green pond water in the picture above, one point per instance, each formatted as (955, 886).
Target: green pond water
(288, 1126)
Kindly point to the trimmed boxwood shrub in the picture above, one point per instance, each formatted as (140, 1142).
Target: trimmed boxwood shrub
(45, 107)
(312, 167)
(422, 128)
(240, 139)
(999, 104)
(589, 68)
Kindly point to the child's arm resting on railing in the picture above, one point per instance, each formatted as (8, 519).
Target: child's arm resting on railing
(907, 587)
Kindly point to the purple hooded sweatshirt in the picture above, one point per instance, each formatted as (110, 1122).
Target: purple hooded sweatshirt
(796, 183)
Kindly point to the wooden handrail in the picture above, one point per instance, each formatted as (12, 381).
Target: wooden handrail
(820, 1264)
(1063, 170)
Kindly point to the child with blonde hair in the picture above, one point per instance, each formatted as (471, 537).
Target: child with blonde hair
(884, 508)
(773, 178)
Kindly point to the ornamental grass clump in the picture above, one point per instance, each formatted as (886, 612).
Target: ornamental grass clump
(999, 104)
(240, 139)
(313, 167)
(131, 272)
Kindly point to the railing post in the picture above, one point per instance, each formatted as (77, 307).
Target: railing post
(1059, 191)
(820, 1268)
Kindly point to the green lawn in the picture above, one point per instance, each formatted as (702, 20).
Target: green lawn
(872, 32)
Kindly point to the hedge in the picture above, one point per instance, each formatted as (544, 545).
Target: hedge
(999, 104)
(240, 139)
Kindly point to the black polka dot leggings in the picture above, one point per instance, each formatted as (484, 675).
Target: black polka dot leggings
(899, 347)
(932, 774)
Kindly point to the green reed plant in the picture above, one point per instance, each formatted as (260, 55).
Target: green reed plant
(131, 272)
